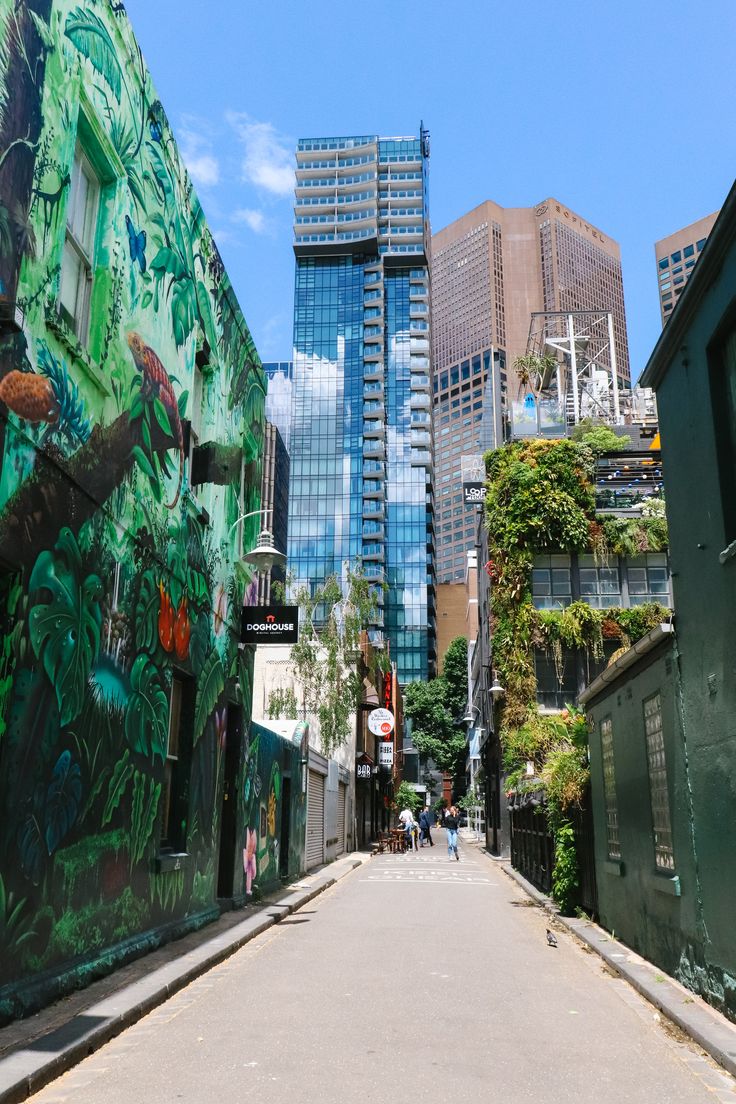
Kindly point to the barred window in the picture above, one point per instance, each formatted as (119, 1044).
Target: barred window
(609, 790)
(659, 793)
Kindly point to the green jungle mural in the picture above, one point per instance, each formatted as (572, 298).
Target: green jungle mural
(122, 348)
(271, 776)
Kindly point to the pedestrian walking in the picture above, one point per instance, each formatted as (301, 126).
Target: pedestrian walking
(451, 825)
(406, 819)
(425, 823)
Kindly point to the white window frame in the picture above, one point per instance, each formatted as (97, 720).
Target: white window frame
(80, 241)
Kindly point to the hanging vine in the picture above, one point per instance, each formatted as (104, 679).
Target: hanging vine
(540, 500)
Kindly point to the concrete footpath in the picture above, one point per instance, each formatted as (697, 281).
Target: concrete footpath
(702, 1023)
(35, 1051)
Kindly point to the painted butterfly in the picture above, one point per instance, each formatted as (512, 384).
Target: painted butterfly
(156, 129)
(137, 243)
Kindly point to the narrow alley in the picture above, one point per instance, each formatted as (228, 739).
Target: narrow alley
(414, 978)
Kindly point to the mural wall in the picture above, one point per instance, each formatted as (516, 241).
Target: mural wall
(121, 348)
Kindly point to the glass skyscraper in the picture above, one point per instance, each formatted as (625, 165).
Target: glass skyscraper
(361, 434)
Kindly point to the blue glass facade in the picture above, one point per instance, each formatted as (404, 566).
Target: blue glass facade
(280, 375)
(361, 435)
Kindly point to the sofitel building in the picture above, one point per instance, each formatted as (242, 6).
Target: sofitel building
(361, 432)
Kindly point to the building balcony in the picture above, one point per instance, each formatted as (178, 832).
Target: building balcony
(373, 530)
(374, 573)
(420, 400)
(370, 390)
(419, 382)
(373, 552)
(373, 372)
(373, 354)
(374, 469)
(374, 427)
(373, 509)
(373, 406)
(372, 489)
(420, 438)
(421, 459)
(374, 449)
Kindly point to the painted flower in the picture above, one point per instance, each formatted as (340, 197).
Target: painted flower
(220, 611)
(249, 859)
(272, 813)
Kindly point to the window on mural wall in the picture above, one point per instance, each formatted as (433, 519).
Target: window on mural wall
(77, 263)
(174, 798)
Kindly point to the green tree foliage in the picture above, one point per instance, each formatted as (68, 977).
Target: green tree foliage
(455, 674)
(599, 438)
(434, 732)
(326, 658)
(406, 798)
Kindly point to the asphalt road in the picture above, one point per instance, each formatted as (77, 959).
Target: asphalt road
(413, 979)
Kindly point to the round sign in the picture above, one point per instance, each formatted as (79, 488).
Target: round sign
(380, 722)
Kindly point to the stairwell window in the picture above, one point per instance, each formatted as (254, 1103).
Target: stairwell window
(658, 789)
(78, 258)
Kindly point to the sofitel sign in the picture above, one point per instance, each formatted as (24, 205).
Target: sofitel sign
(269, 625)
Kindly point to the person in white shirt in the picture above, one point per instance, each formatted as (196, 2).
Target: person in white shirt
(406, 817)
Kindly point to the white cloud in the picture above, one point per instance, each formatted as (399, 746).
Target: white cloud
(268, 162)
(253, 219)
(196, 149)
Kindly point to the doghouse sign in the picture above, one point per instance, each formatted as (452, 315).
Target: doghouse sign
(269, 625)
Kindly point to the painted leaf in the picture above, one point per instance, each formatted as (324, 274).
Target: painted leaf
(146, 614)
(62, 800)
(146, 794)
(147, 711)
(116, 789)
(211, 685)
(204, 303)
(65, 622)
(43, 30)
(30, 840)
(90, 36)
(182, 403)
(143, 462)
(162, 417)
(183, 310)
(166, 260)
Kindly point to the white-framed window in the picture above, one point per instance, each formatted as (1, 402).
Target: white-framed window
(664, 858)
(609, 790)
(78, 258)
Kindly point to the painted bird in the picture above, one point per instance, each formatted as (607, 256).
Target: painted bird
(157, 384)
(551, 940)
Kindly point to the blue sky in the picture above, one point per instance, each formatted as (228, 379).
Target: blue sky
(624, 112)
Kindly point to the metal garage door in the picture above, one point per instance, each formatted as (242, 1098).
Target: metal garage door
(315, 820)
(342, 803)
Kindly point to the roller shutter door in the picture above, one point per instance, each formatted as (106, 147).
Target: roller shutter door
(342, 803)
(315, 820)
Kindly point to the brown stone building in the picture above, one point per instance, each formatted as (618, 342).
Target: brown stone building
(491, 270)
(676, 256)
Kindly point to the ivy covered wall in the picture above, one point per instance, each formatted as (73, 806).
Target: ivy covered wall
(119, 594)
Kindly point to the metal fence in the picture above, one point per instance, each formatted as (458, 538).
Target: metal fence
(533, 850)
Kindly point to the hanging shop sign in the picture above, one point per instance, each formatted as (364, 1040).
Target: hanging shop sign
(363, 768)
(269, 625)
(381, 722)
(474, 493)
(386, 753)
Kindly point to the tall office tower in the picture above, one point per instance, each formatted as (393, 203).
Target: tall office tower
(274, 499)
(280, 374)
(676, 256)
(361, 435)
(498, 275)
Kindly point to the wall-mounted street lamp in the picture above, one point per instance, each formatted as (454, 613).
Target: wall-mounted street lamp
(265, 555)
(469, 718)
(496, 690)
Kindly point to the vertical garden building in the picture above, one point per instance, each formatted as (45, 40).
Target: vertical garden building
(361, 445)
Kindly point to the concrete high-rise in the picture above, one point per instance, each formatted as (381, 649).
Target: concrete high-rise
(361, 433)
(676, 256)
(492, 269)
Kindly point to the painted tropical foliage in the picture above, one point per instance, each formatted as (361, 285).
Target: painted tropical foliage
(118, 574)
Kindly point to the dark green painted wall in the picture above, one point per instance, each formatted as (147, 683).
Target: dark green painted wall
(702, 732)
